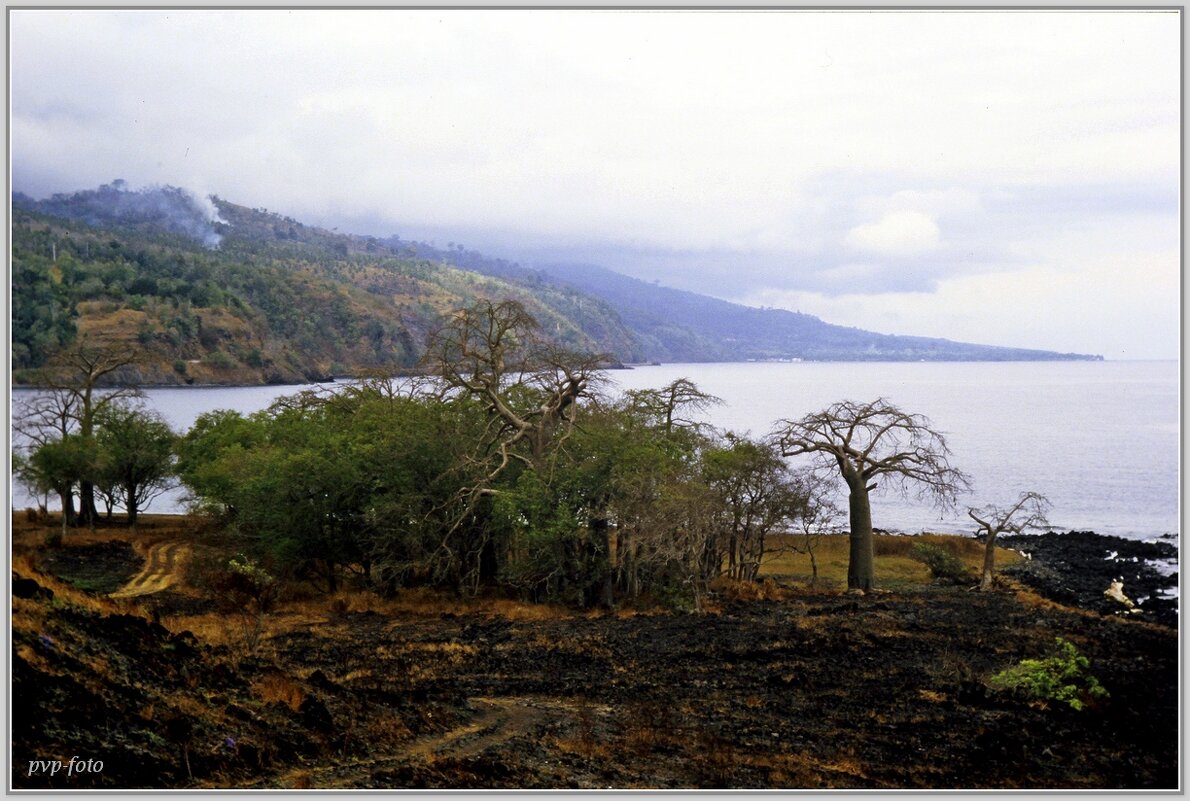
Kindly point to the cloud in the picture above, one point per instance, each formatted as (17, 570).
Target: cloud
(724, 152)
(1083, 304)
(900, 233)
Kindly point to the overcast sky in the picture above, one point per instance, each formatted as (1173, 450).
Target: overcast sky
(1005, 177)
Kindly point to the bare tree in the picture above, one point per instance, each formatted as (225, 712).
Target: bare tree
(674, 405)
(1029, 512)
(870, 441)
(492, 352)
(817, 517)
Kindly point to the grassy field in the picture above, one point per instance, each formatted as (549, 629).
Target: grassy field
(895, 567)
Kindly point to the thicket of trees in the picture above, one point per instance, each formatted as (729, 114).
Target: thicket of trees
(507, 467)
(90, 443)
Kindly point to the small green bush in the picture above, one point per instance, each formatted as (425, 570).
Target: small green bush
(247, 578)
(1062, 678)
(943, 564)
(220, 360)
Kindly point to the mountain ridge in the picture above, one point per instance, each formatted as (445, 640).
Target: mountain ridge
(218, 293)
(748, 333)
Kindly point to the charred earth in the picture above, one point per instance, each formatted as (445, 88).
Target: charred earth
(796, 689)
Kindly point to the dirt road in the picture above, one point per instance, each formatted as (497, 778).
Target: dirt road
(163, 567)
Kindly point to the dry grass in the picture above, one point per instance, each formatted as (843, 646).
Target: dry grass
(434, 602)
(29, 534)
(894, 565)
(764, 590)
(274, 688)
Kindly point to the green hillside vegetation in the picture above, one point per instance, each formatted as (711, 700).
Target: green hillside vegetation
(275, 302)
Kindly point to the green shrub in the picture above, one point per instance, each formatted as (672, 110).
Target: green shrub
(943, 564)
(220, 360)
(1062, 678)
(249, 581)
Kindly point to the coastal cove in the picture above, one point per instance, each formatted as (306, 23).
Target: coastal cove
(1099, 439)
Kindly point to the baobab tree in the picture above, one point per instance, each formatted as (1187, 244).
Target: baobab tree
(494, 354)
(870, 441)
(1029, 512)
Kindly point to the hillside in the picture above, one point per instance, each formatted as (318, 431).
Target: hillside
(674, 325)
(231, 295)
(216, 293)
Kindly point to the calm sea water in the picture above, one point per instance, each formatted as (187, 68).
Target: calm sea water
(1099, 439)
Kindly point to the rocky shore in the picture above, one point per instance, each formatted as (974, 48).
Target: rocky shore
(1075, 567)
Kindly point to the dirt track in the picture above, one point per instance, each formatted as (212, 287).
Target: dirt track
(164, 563)
(499, 720)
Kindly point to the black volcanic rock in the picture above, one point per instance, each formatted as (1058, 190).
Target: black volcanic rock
(1075, 568)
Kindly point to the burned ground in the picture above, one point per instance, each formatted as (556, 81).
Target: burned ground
(812, 690)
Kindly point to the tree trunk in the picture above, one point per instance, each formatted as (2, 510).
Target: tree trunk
(68, 516)
(601, 529)
(131, 497)
(989, 564)
(88, 513)
(861, 570)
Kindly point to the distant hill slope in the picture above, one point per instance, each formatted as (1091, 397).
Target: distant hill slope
(216, 293)
(684, 326)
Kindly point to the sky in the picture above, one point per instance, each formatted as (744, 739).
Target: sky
(1001, 177)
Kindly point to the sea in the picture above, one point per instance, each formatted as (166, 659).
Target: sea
(1101, 440)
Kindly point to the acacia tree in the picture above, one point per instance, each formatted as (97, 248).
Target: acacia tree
(756, 497)
(1029, 512)
(41, 419)
(868, 443)
(59, 466)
